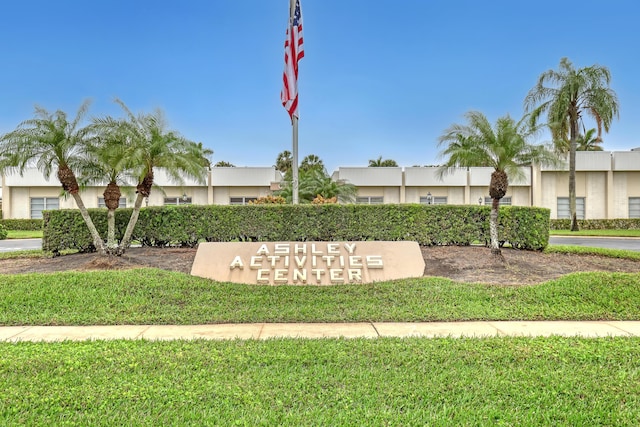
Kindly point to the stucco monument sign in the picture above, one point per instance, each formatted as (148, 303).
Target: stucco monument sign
(308, 263)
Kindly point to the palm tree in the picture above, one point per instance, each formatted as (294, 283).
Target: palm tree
(224, 164)
(566, 96)
(315, 183)
(110, 158)
(587, 142)
(311, 162)
(503, 147)
(55, 144)
(379, 163)
(155, 147)
(207, 153)
(284, 161)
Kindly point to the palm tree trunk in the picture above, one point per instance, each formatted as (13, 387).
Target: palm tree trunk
(493, 227)
(126, 239)
(112, 245)
(572, 175)
(97, 240)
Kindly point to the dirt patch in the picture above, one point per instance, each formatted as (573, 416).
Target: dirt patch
(461, 263)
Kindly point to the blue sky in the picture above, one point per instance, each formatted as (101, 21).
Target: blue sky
(379, 78)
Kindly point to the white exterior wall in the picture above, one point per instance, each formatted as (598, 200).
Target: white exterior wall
(391, 195)
(221, 196)
(520, 196)
(621, 195)
(370, 177)
(595, 194)
(605, 179)
(549, 182)
(428, 177)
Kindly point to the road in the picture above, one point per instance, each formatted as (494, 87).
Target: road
(11, 245)
(632, 244)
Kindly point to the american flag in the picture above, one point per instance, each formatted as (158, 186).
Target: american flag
(293, 52)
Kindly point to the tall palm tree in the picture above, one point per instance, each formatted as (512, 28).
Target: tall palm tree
(284, 161)
(566, 96)
(54, 143)
(379, 163)
(504, 147)
(155, 147)
(311, 162)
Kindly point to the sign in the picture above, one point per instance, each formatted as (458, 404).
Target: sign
(308, 263)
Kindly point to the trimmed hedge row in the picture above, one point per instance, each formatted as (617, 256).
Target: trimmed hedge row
(3, 232)
(429, 225)
(597, 224)
(522, 227)
(22, 224)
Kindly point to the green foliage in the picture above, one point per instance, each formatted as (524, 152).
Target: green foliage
(3, 232)
(380, 163)
(269, 200)
(315, 182)
(22, 224)
(597, 224)
(522, 227)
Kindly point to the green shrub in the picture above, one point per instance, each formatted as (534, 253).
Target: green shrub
(22, 224)
(3, 232)
(598, 224)
(522, 227)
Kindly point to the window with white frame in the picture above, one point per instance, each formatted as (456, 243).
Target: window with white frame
(435, 200)
(564, 211)
(176, 201)
(634, 207)
(505, 201)
(370, 200)
(122, 203)
(39, 204)
(243, 200)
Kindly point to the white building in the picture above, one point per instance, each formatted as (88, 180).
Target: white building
(607, 187)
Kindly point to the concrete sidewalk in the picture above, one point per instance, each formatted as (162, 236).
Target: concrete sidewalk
(321, 330)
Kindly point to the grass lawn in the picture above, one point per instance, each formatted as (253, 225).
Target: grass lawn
(151, 296)
(24, 234)
(604, 233)
(399, 382)
(293, 382)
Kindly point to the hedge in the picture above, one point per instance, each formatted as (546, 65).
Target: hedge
(429, 225)
(598, 224)
(22, 224)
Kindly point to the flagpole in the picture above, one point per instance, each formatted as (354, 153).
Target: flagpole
(293, 53)
(294, 138)
(294, 161)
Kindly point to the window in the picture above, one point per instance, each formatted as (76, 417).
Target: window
(370, 200)
(241, 200)
(435, 200)
(175, 201)
(634, 207)
(121, 204)
(563, 208)
(505, 201)
(39, 204)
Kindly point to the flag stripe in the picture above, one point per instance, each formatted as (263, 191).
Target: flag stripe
(293, 53)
